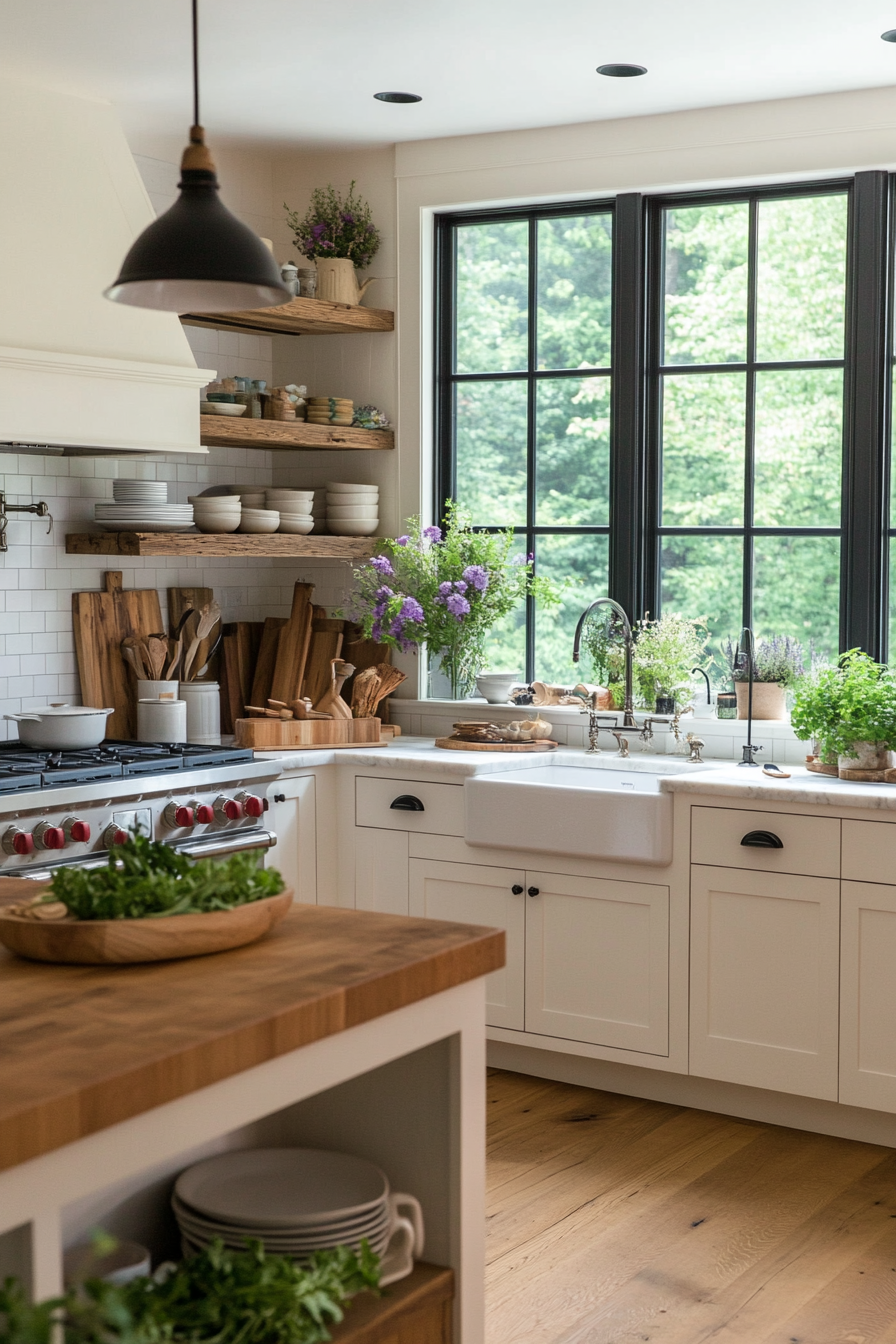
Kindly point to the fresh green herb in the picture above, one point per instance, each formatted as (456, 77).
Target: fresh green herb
(217, 1297)
(852, 702)
(664, 653)
(145, 878)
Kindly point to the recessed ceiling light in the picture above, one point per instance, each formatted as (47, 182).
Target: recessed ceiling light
(621, 70)
(889, 35)
(399, 97)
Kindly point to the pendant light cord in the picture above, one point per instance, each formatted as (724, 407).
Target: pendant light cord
(196, 121)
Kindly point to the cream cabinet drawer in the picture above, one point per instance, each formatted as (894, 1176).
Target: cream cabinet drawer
(408, 805)
(869, 851)
(809, 845)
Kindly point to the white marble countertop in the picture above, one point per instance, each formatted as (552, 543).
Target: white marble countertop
(734, 781)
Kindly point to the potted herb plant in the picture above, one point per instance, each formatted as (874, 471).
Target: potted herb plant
(339, 233)
(445, 590)
(602, 640)
(664, 653)
(777, 666)
(850, 711)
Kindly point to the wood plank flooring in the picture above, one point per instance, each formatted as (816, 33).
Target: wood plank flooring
(613, 1220)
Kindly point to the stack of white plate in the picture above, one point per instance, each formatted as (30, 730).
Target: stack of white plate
(140, 492)
(294, 1200)
(294, 507)
(352, 510)
(144, 517)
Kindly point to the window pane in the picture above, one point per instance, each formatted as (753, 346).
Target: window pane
(703, 449)
(505, 647)
(893, 471)
(892, 643)
(801, 281)
(491, 451)
(492, 326)
(703, 576)
(573, 452)
(796, 590)
(706, 251)
(574, 290)
(581, 560)
(799, 447)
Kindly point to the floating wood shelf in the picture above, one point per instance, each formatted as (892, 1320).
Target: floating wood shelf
(299, 317)
(221, 431)
(220, 544)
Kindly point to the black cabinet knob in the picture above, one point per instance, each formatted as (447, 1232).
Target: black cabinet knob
(279, 797)
(533, 891)
(517, 889)
(762, 840)
(406, 802)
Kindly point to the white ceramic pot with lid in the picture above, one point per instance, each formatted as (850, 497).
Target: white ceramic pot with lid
(60, 727)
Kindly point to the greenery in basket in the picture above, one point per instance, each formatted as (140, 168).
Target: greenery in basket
(335, 226)
(664, 653)
(779, 658)
(216, 1297)
(144, 878)
(852, 702)
(446, 590)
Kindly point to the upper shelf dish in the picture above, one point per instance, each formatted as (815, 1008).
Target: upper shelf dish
(300, 317)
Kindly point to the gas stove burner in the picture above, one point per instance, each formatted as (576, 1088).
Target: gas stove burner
(110, 760)
(17, 779)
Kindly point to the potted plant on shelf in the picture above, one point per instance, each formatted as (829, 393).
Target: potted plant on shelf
(602, 641)
(445, 590)
(664, 653)
(339, 234)
(777, 666)
(849, 711)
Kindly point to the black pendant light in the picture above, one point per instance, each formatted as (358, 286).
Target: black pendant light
(197, 257)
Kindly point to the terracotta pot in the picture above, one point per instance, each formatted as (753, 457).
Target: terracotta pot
(768, 699)
(338, 282)
(866, 756)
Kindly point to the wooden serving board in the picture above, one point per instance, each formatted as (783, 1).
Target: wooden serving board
(887, 776)
(817, 768)
(270, 734)
(101, 621)
(102, 942)
(457, 744)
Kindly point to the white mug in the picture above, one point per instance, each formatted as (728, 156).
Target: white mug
(406, 1237)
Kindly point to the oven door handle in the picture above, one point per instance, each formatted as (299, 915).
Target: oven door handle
(238, 843)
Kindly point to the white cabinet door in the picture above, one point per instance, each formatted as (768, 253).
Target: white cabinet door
(597, 961)
(764, 979)
(471, 894)
(868, 994)
(292, 818)
(381, 871)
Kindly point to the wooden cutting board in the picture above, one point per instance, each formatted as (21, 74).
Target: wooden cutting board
(458, 744)
(269, 734)
(101, 621)
(263, 676)
(292, 649)
(326, 644)
(240, 645)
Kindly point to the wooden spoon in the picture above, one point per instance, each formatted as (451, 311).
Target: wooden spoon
(208, 619)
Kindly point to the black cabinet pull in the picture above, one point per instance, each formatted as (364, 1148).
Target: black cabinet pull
(533, 891)
(517, 889)
(406, 802)
(762, 840)
(279, 797)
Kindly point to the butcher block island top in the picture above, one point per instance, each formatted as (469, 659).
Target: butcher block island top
(83, 1048)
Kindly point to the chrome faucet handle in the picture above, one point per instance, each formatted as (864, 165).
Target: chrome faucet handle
(696, 744)
(622, 744)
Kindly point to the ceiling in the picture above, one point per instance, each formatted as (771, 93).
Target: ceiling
(289, 70)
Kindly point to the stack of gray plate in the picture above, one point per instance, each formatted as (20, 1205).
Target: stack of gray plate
(294, 1200)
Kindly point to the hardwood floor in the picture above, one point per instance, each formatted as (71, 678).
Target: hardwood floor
(613, 1220)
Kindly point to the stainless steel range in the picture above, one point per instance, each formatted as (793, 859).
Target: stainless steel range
(73, 807)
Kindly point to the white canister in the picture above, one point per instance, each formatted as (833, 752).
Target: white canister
(203, 701)
(157, 690)
(161, 721)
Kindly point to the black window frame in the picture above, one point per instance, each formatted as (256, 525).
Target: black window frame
(635, 527)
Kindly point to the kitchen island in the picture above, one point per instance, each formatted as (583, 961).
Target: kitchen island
(341, 1029)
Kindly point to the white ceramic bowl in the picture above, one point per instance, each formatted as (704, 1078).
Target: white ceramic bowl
(252, 501)
(353, 511)
(218, 522)
(495, 686)
(353, 527)
(259, 520)
(219, 492)
(297, 525)
(344, 501)
(215, 501)
(285, 492)
(228, 408)
(206, 408)
(341, 488)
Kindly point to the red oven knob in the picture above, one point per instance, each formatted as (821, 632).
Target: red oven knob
(227, 809)
(49, 837)
(114, 835)
(178, 814)
(252, 806)
(17, 842)
(77, 831)
(205, 814)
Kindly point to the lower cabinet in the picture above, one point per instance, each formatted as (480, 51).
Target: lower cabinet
(472, 894)
(293, 820)
(765, 951)
(868, 994)
(381, 870)
(597, 961)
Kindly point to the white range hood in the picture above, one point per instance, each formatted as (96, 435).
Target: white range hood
(77, 372)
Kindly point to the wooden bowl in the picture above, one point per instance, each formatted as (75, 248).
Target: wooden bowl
(102, 942)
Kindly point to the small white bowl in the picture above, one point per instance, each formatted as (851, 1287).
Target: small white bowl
(215, 501)
(296, 525)
(295, 513)
(494, 687)
(259, 520)
(342, 501)
(353, 511)
(228, 408)
(226, 523)
(342, 488)
(353, 527)
(206, 408)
